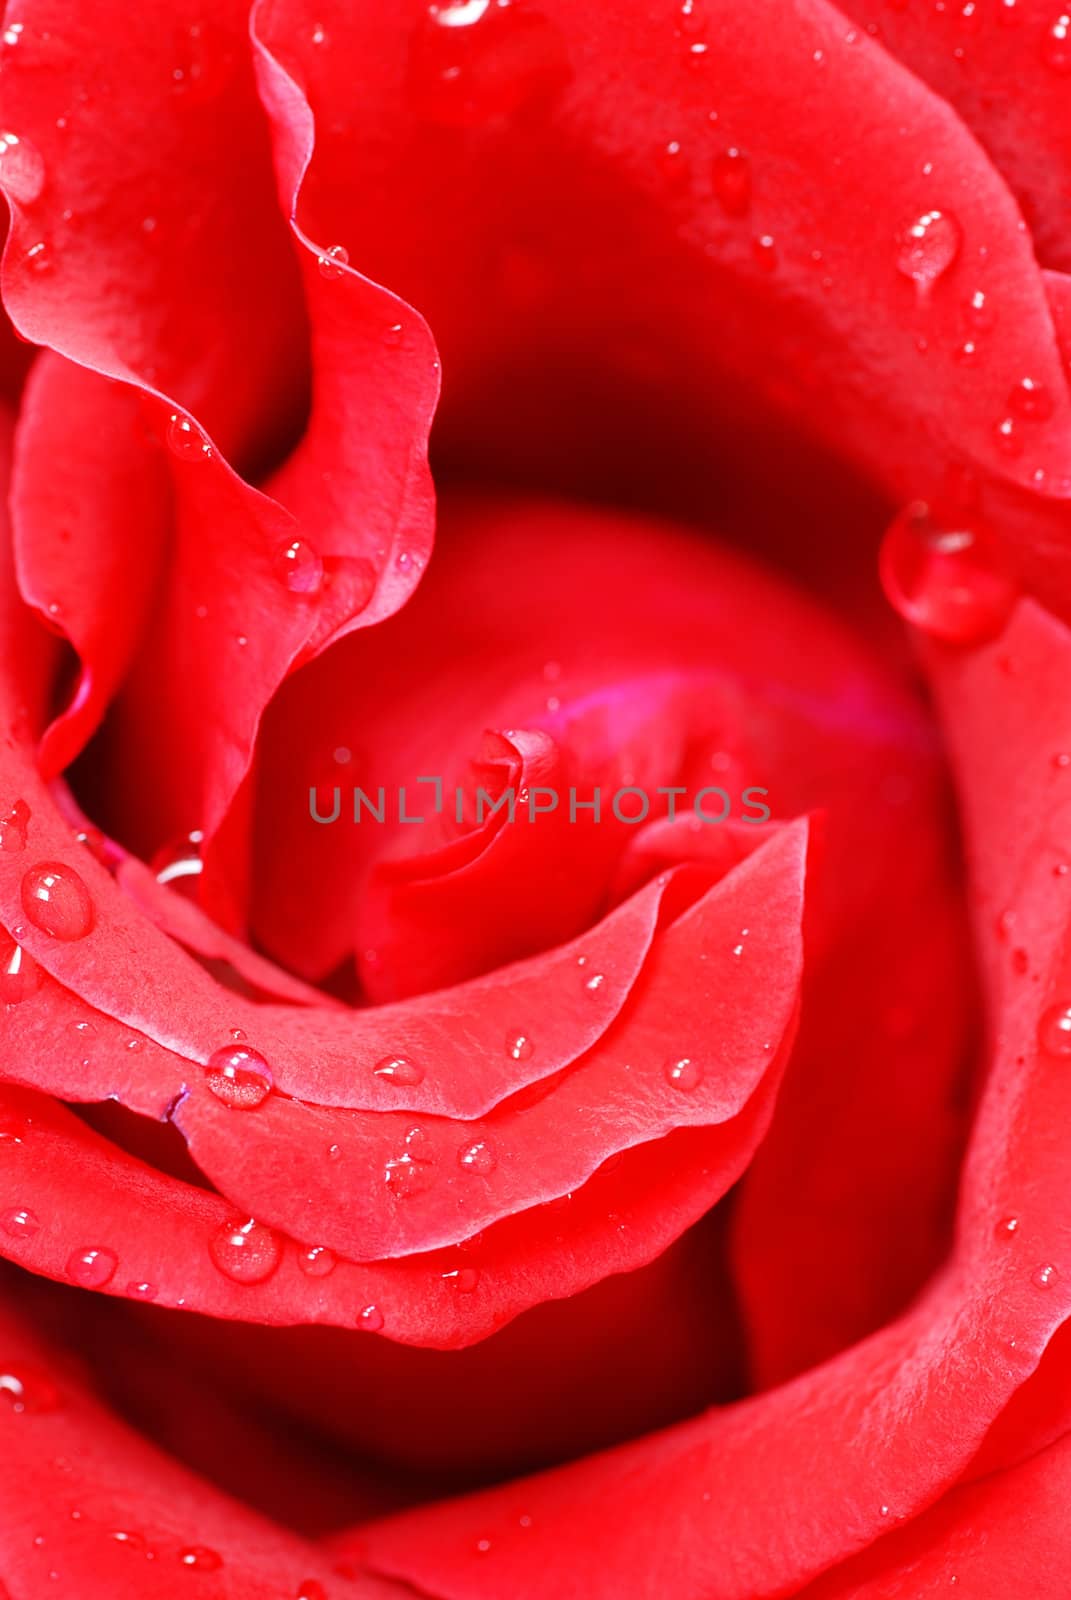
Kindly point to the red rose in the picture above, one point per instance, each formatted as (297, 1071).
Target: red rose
(567, 986)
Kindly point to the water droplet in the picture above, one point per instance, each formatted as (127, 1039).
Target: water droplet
(477, 1157)
(246, 1252)
(1054, 1031)
(239, 1076)
(1007, 1228)
(334, 1152)
(186, 440)
(311, 1589)
(464, 1279)
(1006, 437)
(370, 1318)
(400, 1070)
(950, 582)
(28, 1388)
(1044, 1276)
(407, 1176)
(22, 172)
(301, 567)
(764, 252)
(1031, 401)
(519, 1046)
(671, 162)
(683, 1073)
(20, 1223)
(201, 1558)
(38, 258)
(928, 247)
(978, 312)
(316, 1261)
(57, 901)
(142, 1291)
(92, 1266)
(1056, 44)
(129, 1539)
(472, 61)
(595, 982)
(333, 262)
(13, 827)
(20, 975)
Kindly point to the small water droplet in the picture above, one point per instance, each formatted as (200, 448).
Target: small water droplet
(519, 1046)
(928, 247)
(400, 1070)
(1007, 1228)
(239, 1076)
(201, 1558)
(407, 1175)
(186, 440)
(316, 1261)
(334, 1152)
(20, 976)
(1031, 401)
(1044, 1276)
(1006, 437)
(764, 252)
(595, 982)
(464, 1279)
(333, 262)
(22, 172)
(477, 1157)
(300, 567)
(473, 61)
(28, 1388)
(978, 312)
(20, 1223)
(13, 828)
(311, 1589)
(92, 1266)
(57, 901)
(129, 1539)
(1056, 44)
(950, 582)
(371, 1318)
(246, 1252)
(1054, 1031)
(142, 1291)
(683, 1073)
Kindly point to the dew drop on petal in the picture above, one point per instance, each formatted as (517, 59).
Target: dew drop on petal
(764, 252)
(13, 828)
(1007, 1228)
(20, 1223)
(311, 1589)
(474, 61)
(400, 1070)
(186, 440)
(22, 172)
(201, 1558)
(683, 1073)
(731, 178)
(300, 567)
(519, 1046)
(464, 1279)
(370, 1318)
(1006, 437)
(246, 1252)
(950, 582)
(1054, 1031)
(27, 1388)
(180, 864)
(1056, 44)
(1030, 401)
(928, 247)
(332, 263)
(56, 901)
(142, 1291)
(1044, 1276)
(239, 1076)
(20, 975)
(407, 1176)
(92, 1266)
(316, 1261)
(978, 312)
(477, 1157)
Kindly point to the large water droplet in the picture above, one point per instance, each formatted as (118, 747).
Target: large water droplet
(300, 567)
(1056, 44)
(201, 1558)
(20, 1223)
(477, 1157)
(371, 1319)
(186, 440)
(928, 247)
(246, 1252)
(464, 1279)
(407, 1176)
(333, 261)
(13, 827)
(180, 864)
(92, 1266)
(400, 1070)
(1054, 1031)
(519, 1046)
(239, 1076)
(473, 61)
(22, 172)
(316, 1261)
(731, 173)
(1044, 1276)
(683, 1073)
(951, 582)
(20, 975)
(57, 901)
